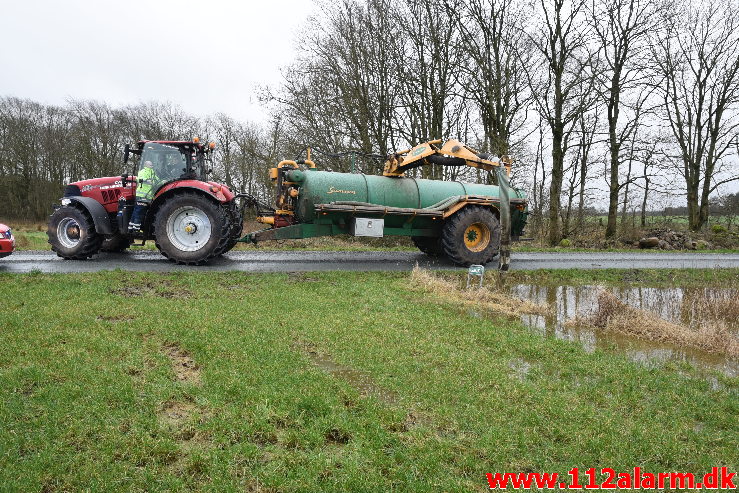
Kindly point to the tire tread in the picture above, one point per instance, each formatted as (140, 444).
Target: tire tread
(452, 239)
(206, 255)
(90, 246)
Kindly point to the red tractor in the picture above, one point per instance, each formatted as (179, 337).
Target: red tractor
(190, 219)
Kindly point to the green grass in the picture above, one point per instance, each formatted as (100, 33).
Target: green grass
(31, 240)
(84, 380)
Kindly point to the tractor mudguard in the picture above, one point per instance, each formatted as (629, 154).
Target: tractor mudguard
(219, 192)
(99, 215)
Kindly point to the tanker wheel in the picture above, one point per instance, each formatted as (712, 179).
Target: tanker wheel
(116, 244)
(191, 229)
(471, 236)
(72, 234)
(431, 246)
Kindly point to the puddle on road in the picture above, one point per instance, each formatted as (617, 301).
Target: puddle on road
(686, 306)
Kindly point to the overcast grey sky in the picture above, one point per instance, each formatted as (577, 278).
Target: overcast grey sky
(203, 56)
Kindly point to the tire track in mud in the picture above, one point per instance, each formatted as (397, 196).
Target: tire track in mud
(365, 386)
(176, 416)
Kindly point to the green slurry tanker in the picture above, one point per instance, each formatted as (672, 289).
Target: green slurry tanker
(468, 223)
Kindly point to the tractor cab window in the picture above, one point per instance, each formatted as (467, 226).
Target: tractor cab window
(169, 162)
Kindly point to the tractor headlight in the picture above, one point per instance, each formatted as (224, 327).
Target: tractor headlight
(66, 201)
(9, 234)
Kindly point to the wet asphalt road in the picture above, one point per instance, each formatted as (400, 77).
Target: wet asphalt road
(292, 261)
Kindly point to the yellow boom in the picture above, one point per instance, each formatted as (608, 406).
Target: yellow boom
(452, 153)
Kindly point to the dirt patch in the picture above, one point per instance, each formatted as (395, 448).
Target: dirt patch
(413, 419)
(174, 414)
(185, 368)
(496, 301)
(176, 293)
(357, 379)
(299, 277)
(334, 435)
(164, 288)
(614, 315)
(176, 417)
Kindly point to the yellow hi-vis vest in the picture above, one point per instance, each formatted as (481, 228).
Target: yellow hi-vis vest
(147, 183)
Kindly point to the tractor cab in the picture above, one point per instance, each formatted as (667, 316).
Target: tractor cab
(171, 160)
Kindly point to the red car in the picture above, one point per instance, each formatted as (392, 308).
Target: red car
(7, 242)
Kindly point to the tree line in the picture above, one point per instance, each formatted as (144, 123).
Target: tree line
(628, 97)
(43, 147)
(618, 102)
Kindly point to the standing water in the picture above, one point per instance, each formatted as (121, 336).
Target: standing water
(686, 306)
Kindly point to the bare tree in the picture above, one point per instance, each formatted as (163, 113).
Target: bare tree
(696, 57)
(492, 39)
(648, 160)
(429, 97)
(538, 195)
(621, 28)
(588, 126)
(343, 90)
(561, 85)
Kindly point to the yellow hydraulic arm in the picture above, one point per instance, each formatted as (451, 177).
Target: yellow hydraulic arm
(452, 153)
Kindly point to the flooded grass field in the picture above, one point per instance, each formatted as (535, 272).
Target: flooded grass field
(333, 381)
(691, 308)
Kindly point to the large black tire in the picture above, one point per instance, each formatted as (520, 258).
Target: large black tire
(116, 244)
(191, 229)
(431, 246)
(236, 226)
(471, 236)
(72, 234)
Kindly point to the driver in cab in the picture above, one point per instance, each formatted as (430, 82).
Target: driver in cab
(148, 183)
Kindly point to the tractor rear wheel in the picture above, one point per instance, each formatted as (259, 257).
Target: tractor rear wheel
(471, 236)
(236, 227)
(431, 246)
(191, 229)
(72, 234)
(116, 244)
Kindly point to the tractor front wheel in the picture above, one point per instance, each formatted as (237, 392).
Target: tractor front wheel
(72, 234)
(191, 229)
(471, 236)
